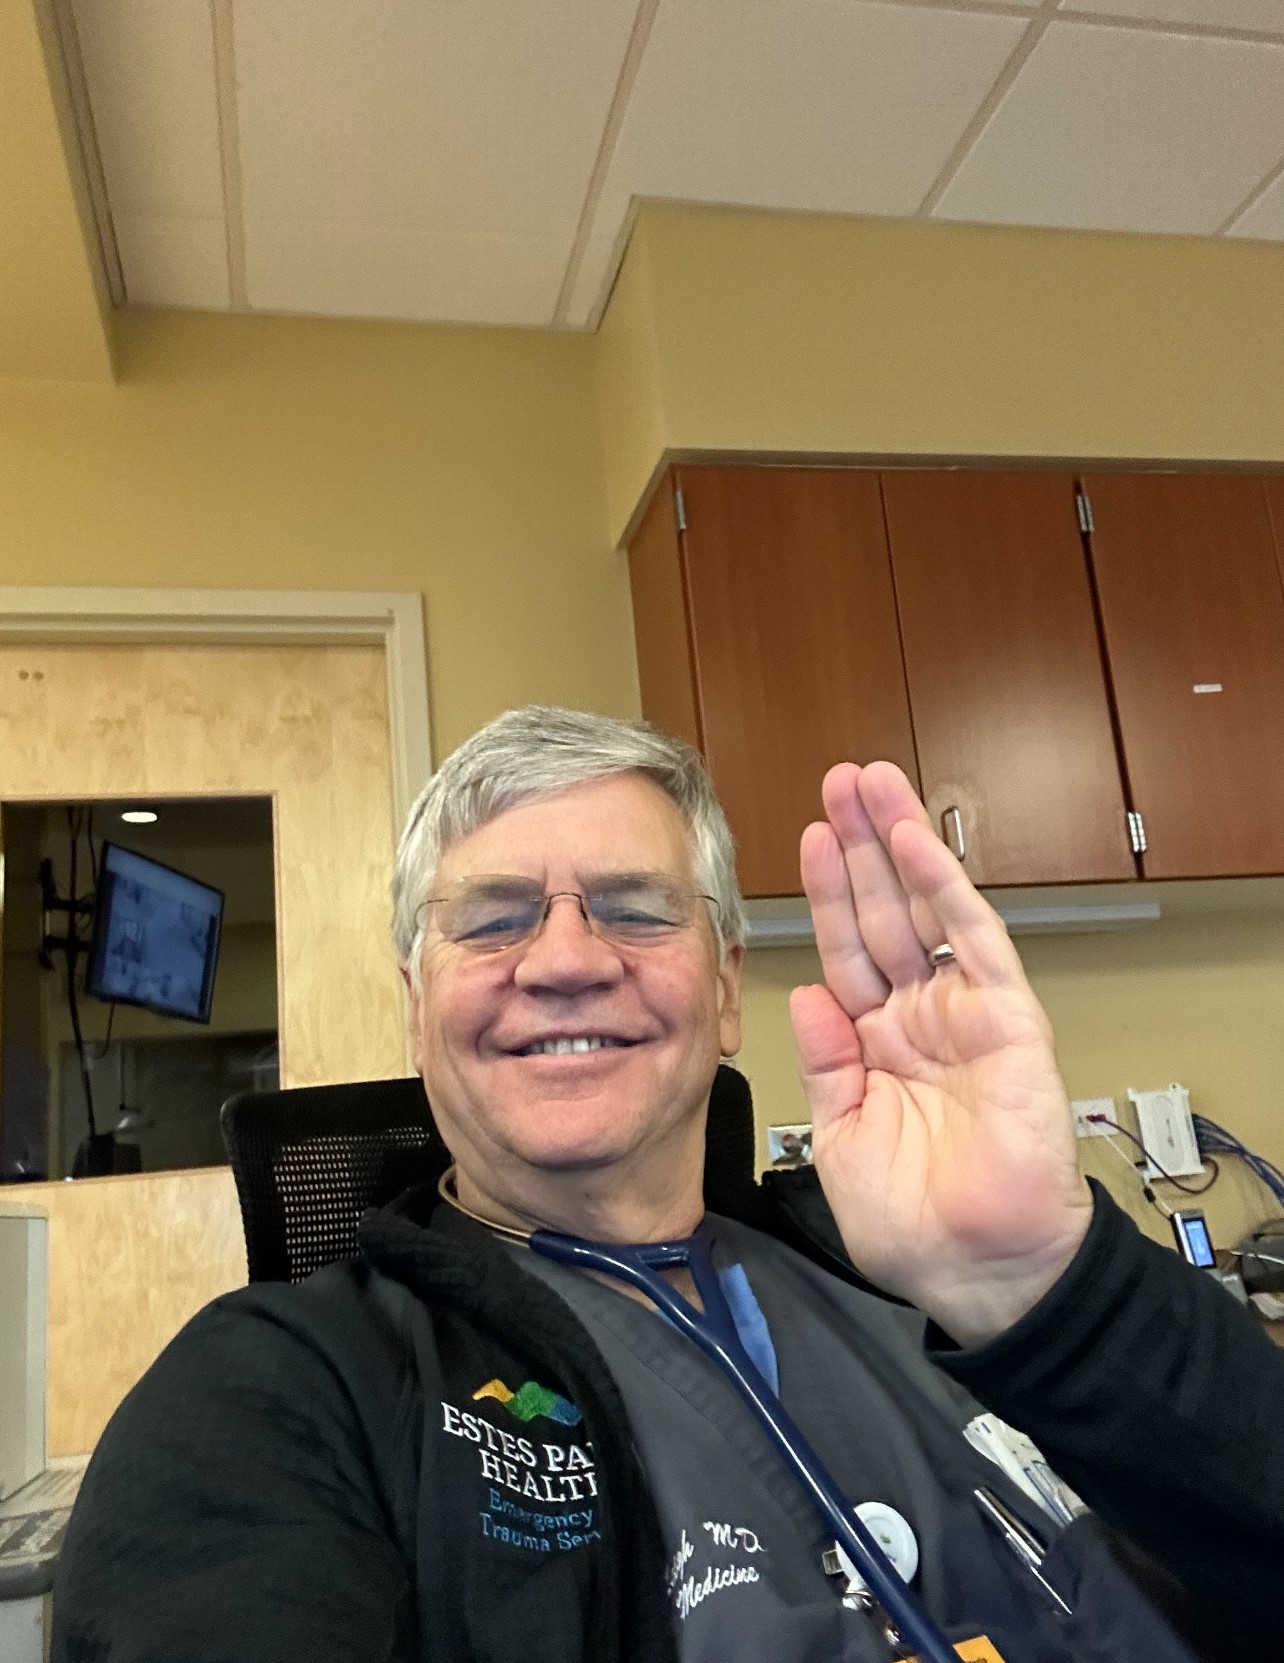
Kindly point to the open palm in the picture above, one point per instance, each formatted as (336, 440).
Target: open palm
(941, 1131)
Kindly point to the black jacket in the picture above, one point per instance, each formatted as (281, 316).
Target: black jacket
(276, 1488)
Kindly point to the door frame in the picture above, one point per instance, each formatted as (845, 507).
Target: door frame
(255, 617)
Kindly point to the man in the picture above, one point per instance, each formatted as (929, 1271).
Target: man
(458, 1449)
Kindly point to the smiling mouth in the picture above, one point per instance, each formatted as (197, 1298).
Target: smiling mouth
(574, 1047)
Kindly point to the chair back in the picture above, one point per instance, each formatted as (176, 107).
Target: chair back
(309, 1161)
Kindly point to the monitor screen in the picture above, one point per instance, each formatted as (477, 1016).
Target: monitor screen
(156, 937)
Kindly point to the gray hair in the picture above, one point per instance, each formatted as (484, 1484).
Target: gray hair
(530, 753)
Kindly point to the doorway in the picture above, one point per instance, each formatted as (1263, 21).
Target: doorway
(139, 987)
(310, 726)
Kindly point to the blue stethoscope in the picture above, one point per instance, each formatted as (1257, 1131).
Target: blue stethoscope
(714, 1331)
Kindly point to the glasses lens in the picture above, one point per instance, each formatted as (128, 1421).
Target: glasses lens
(489, 914)
(638, 910)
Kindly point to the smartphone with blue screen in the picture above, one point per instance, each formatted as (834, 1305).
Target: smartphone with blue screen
(1193, 1241)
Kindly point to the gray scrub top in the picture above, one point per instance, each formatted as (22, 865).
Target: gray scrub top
(744, 1543)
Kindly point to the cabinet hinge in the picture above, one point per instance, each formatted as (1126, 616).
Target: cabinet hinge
(680, 505)
(1083, 502)
(1136, 832)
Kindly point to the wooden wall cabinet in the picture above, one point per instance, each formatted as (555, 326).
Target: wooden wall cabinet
(1041, 684)
(1011, 711)
(767, 637)
(1192, 608)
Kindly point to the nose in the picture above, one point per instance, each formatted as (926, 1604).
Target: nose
(566, 955)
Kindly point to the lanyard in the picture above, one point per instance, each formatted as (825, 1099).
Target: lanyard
(714, 1331)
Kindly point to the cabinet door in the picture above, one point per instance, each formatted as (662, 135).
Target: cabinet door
(794, 643)
(1007, 688)
(661, 629)
(1193, 612)
(1274, 484)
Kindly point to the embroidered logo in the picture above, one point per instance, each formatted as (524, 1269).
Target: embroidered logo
(688, 1588)
(543, 1473)
(530, 1401)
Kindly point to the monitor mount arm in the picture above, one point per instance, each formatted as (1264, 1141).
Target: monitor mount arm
(51, 905)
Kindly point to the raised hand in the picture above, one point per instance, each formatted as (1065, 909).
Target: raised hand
(941, 1130)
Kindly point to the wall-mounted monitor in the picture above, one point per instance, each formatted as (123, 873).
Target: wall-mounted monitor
(156, 937)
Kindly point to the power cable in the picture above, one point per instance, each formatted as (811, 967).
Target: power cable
(1177, 1183)
(73, 957)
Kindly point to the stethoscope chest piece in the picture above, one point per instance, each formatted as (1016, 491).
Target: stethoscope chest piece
(891, 1530)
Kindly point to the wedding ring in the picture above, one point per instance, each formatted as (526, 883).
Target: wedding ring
(940, 956)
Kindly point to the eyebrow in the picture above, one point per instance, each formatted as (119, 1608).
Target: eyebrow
(625, 880)
(500, 883)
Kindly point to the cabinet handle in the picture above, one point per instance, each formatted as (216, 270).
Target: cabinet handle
(952, 821)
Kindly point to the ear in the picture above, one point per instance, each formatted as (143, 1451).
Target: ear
(729, 1001)
(415, 1003)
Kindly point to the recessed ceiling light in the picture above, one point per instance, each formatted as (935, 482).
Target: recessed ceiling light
(139, 816)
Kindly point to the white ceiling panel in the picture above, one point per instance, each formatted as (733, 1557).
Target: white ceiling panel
(1116, 129)
(1265, 219)
(483, 116)
(149, 69)
(149, 65)
(842, 107)
(406, 126)
(372, 272)
(173, 260)
(1267, 15)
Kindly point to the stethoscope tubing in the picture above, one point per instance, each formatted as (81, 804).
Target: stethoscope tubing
(916, 1629)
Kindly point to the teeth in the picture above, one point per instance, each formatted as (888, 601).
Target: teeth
(570, 1047)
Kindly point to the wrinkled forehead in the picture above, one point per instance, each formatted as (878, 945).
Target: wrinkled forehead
(623, 823)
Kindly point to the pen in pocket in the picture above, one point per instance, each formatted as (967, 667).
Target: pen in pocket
(1020, 1539)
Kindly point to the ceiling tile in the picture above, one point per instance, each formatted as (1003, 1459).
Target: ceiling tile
(149, 65)
(1267, 15)
(396, 112)
(358, 271)
(1117, 129)
(1265, 219)
(438, 153)
(843, 107)
(168, 260)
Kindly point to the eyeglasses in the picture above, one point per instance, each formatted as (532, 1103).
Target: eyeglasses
(488, 914)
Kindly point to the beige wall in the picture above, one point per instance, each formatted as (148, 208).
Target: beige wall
(805, 333)
(52, 320)
(1193, 999)
(295, 453)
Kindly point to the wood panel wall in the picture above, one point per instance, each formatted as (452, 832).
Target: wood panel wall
(131, 1258)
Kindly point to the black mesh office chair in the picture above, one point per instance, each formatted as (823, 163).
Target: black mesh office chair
(308, 1163)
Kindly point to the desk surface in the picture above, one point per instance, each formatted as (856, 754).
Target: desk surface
(33, 1522)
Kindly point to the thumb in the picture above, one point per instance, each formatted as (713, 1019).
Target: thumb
(830, 1061)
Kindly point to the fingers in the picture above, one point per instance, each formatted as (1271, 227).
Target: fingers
(930, 873)
(850, 973)
(830, 1061)
(906, 893)
(882, 908)
(943, 900)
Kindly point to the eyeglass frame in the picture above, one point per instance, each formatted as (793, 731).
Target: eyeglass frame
(583, 899)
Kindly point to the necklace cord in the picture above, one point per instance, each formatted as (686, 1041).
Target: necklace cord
(506, 1232)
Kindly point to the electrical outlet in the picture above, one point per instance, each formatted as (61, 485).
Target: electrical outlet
(789, 1143)
(1083, 1107)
